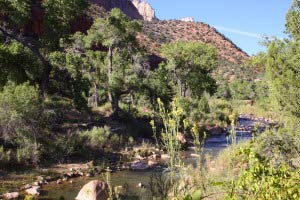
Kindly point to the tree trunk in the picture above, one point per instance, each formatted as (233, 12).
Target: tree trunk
(109, 72)
(115, 106)
(113, 98)
(45, 79)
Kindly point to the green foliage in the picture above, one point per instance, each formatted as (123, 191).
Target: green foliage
(191, 63)
(279, 146)
(159, 85)
(17, 64)
(241, 89)
(18, 11)
(59, 16)
(29, 197)
(293, 20)
(203, 105)
(20, 109)
(98, 136)
(283, 76)
(22, 119)
(118, 34)
(172, 122)
(264, 181)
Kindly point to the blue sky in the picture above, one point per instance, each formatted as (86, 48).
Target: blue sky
(242, 21)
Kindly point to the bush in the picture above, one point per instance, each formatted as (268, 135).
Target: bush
(278, 146)
(262, 180)
(22, 120)
(98, 136)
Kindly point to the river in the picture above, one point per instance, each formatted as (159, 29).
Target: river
(213, 145)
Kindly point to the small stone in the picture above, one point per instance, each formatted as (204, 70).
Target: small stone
(71, 182)
(59, 181)
(65, 179)
(152, 163)
(36, 183)
(193, 155)
(89, 175)
(49, 178)
(140, 185)
(40, 178)
(165, 156)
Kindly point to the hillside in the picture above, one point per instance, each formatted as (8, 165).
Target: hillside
(159, 32)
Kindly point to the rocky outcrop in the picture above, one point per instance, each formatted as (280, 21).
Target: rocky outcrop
(145, 10)
(94, 190)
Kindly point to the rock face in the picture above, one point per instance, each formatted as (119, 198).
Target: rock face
(94, 190)
(125, 5)
(145, 10)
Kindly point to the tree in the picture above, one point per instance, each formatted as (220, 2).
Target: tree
(118, 34)
(159, 85)
(191, 63)
(58, 15)
(17, 64)
(283, 75)
(293, 20)
(283, 66)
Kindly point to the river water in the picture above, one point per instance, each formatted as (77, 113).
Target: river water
(213, 145)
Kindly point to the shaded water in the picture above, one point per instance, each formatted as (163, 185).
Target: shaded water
(213, 145)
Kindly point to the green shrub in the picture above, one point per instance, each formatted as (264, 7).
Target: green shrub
(262, 180)
(22, 121)
(98, 136)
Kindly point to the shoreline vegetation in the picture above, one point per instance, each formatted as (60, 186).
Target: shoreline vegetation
(77, 106)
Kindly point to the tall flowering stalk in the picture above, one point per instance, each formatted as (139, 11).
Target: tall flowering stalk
(171, 121)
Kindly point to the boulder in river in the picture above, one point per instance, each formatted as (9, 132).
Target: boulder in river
(94, 190)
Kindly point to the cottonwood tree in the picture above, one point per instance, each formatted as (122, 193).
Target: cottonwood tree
(118, 35)
(283, 67)
(191, 64)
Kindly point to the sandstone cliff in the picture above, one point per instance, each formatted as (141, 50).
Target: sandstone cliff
(144, 9)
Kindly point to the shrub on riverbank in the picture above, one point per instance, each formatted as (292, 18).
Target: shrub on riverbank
(22, 122)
